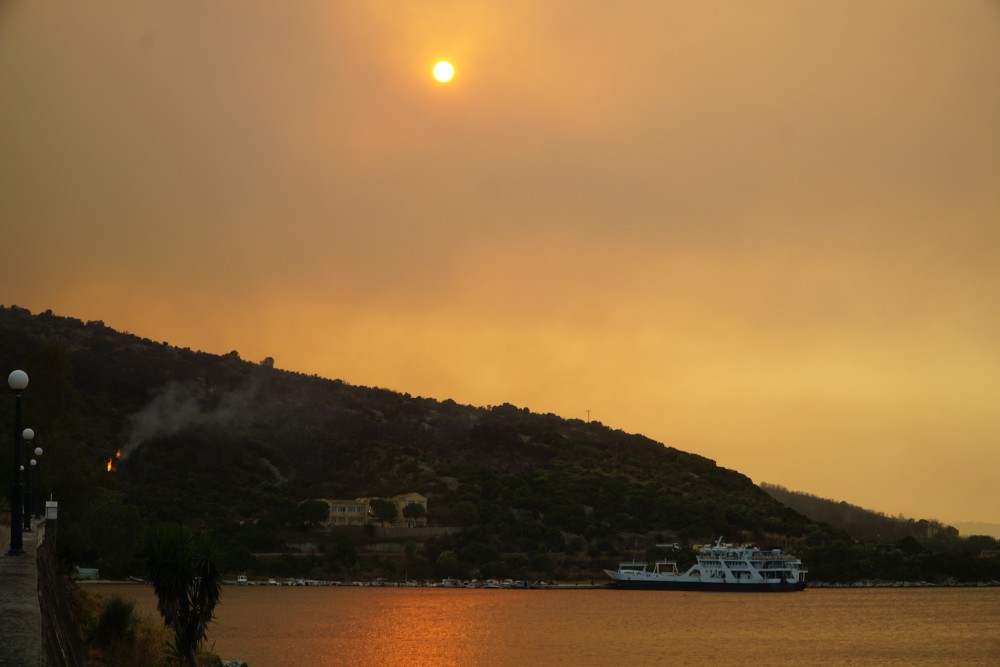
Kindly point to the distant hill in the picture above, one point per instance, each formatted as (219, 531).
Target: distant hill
(859, 523)
(216, 441)
(978, 528)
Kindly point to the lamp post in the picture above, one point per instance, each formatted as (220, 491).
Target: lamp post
(17, 381)
(29, 505)
(39, 487)
(27, 435)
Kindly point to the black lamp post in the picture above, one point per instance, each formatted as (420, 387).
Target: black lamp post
(39, 486)
(27, 435)
(29, 507)
(17, 381)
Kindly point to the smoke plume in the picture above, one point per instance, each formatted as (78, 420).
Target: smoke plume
(179, 407)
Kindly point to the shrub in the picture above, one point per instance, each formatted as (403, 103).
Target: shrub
(116, 623)
(117, 637)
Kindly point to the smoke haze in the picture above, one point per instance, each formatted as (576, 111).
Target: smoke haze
(179, 407)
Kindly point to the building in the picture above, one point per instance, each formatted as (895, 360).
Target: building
(358, 512)
(348, 512)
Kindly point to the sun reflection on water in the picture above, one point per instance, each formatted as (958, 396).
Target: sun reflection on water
(434, 627)
(422, 629)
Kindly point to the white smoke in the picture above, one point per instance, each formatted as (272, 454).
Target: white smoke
(178, 407)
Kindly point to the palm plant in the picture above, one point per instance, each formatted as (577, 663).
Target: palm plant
(181, 567)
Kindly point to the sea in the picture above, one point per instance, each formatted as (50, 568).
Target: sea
(438, 627)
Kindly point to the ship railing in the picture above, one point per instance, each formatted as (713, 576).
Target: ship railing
(765, 555)
(633, 565)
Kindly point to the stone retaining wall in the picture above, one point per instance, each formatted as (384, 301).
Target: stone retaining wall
(63, 647)
(435, 531)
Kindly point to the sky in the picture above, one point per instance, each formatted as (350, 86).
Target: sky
(764, 232)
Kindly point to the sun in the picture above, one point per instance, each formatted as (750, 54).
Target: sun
(443, 71)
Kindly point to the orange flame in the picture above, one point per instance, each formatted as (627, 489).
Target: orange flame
(110, 466)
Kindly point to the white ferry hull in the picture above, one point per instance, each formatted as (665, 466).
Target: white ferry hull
(721, 587)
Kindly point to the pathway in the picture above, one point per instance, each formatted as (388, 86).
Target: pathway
(20, 618)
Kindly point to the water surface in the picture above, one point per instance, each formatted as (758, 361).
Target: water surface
(418, 627)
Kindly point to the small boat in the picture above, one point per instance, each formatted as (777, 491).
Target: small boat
(719, 567)
(241, 580)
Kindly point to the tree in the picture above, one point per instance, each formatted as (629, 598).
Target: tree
(465, 513)
(414, 511)
(181, 567)
(448, 564)
(313, 511)
(108, 532)
(385, 510)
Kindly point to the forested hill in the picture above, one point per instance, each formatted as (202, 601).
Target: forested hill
(213, 440)
(859, 523)
(235, 447)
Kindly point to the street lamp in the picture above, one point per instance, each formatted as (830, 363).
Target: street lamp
(18, 382)
(29, 508)
(27, 435)
(39, 487)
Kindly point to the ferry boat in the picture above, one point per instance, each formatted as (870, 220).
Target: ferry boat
(719, 567)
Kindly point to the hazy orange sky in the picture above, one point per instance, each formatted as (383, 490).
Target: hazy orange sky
(765, 232)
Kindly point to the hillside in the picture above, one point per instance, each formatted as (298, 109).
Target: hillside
(235, 448)
(978, 528)
(861, 524)
(214, 440)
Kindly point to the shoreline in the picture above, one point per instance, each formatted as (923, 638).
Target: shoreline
(539, 587)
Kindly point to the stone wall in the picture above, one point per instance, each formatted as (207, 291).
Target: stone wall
(63, 647)
(436, 531)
